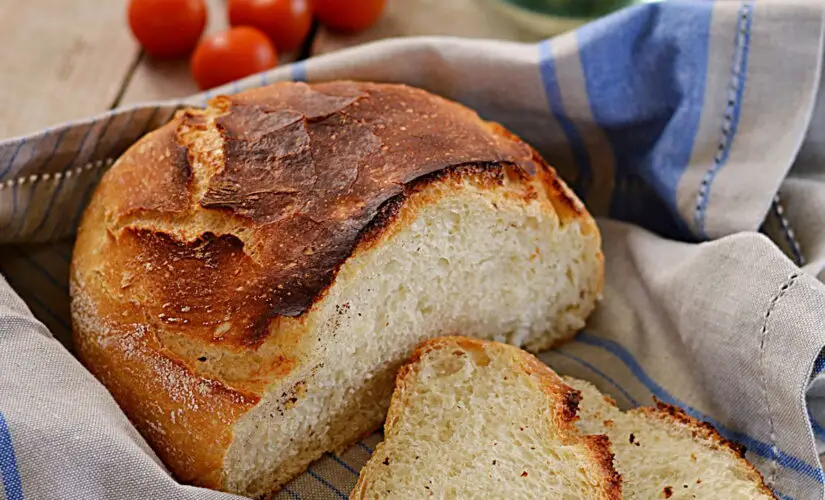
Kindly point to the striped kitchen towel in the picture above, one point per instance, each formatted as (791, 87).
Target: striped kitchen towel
(694, 130)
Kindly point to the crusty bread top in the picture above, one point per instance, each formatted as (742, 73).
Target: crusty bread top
(263, 195)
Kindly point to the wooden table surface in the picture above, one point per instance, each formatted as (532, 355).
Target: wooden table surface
(67, 59)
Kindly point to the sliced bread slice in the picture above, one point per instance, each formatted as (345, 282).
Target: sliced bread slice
(477, 419)
(664, 453)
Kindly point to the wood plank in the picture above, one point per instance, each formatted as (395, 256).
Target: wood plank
(61, 60)
(156, 80)
(465, 18)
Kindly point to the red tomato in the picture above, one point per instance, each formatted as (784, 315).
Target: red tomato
(348, 15)
(230, 55)
(167, 28)
(285, 22)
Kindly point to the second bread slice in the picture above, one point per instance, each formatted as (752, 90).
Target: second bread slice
(664, 453)
(476, 419)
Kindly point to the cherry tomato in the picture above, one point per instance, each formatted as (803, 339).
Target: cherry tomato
(167, 28)
(348, 15)
(230, 55)
(285, 22)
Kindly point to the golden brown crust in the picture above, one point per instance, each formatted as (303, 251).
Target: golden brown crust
(564, 397)
(171, 173)
(160, 395)
(215, 251)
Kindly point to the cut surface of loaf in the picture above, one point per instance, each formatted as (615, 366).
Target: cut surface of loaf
(248, 278)
(664, 453)
(476, 419)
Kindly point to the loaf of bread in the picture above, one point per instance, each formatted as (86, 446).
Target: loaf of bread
(472, 419)
(248, 278)
(664, 453)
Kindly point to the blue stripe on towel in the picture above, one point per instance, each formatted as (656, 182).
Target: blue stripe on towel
(760, 448)
(10, 164)
(547, 68)
(61, 182)
(8, 464)
(85, 138)
(730, 125)
(13, 219)
(630, 399)
(292, 493)
(327, 484)
(645, 70)
(56, 146)
(342, 463)
(298, 71)
(127, 121)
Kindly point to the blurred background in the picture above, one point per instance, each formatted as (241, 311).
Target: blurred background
(67, 59)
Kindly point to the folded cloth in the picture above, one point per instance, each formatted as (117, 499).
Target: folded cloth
(692, 129)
